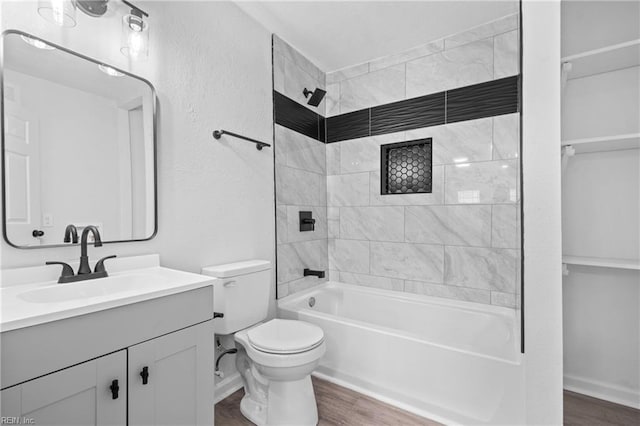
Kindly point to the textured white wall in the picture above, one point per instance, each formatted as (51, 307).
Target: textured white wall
(211, 66)
(542, 215)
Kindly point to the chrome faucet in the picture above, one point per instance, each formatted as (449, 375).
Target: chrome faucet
(84, 270)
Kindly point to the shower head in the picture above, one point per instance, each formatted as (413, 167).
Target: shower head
(316, 96)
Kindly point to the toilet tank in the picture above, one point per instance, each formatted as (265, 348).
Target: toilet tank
(241, 292)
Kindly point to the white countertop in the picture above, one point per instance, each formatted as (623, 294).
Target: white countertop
(135, 279)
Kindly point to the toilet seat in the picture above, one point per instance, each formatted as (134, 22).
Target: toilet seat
(285, 337)
(280, 360)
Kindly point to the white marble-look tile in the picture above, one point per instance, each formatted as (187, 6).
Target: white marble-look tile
(484, 268)
(296, 80)
(333, 213)
(490, 182)
(281, 224)
(333, 158)
(363, 154)
(448, 292)
(278, 72)
(282, 47)
(293, 258)
(449, 225)
(504, 226)
(346, 73)
(458, 142)
(372, 223)
(348, 190)
(296, 150)
(506, 57)
(506, 136)
(372, 281)
(334, 275)
(332, 100)
(462, 66)
(502, 25)
(435, 197)
(349, 256)
(299, 187)
(407, 55)
(334, 228)
(293, 223)
(333, 220)
(305, 283)
(283, 290)
(374, 88)
(503, 299)
(407, 261)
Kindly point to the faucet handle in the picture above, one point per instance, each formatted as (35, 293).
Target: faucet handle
(67, 270)
(100, 264)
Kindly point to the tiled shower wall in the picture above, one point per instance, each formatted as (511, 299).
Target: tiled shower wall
(461, 241)
(301, 183)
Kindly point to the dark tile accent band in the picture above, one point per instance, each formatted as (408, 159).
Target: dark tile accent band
(348, 126)
(410, 114)
(292, 115)
(483, 100)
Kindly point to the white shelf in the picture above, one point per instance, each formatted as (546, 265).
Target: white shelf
(602, 262)
(604, 143)
(609, 58)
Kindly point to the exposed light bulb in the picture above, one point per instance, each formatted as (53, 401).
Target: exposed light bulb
(135, 36)
(59, 12)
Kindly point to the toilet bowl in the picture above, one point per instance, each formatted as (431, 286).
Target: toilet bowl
(275, 360)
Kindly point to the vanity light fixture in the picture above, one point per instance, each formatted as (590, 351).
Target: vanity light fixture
(110, 71)
(36, 43)
(59, 12)
(135, 34)
(135, 31)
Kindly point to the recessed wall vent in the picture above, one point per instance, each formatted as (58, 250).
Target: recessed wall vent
(405, 167)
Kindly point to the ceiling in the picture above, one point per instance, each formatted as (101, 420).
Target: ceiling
(337, 34)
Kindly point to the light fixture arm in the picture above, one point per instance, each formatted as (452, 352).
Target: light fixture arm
(134, 7)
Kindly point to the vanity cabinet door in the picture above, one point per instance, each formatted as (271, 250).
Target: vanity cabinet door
(91, 393)
(171, 378)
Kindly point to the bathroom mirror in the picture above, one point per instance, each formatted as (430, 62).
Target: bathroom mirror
(78, 146)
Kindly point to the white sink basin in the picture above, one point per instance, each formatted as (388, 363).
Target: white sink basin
(35, 296)
(101, 287)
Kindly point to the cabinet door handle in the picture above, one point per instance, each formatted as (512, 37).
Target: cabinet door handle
(114, 389)
(145, 375)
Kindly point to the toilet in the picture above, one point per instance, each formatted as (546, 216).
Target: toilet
(275, 358)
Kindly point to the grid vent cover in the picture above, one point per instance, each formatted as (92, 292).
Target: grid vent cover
(406, 167)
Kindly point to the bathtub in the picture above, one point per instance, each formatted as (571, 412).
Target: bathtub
(454, 362)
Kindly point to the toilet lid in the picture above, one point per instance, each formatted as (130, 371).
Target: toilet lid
(285, 336)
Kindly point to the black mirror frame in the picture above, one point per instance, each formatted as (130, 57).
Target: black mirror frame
(154, 102)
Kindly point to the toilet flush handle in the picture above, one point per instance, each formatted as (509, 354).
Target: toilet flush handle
(230, 283)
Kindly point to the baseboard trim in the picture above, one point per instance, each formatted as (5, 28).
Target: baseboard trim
(227, 386)
(382, 398)
(601, 390)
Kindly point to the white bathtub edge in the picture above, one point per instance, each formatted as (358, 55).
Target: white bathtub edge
(382, 398)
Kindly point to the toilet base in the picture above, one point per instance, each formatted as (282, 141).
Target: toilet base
(288, 404)
(292, 403)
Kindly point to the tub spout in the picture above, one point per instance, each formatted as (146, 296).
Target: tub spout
(309, 272)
